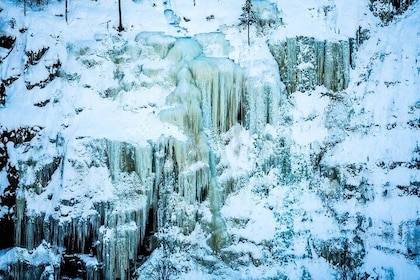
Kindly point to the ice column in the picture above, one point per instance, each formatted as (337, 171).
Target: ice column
(121, 236)
(305, 62)
(219, 237)
(186, 102)
(262, 101)
(221, 83)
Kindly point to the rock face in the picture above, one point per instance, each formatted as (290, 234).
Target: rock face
(386, 10)
(9, 139)
(7, 44)
(305, 63)
(169, 159)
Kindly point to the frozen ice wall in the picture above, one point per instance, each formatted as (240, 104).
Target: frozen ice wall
(306, 62)
(105, 195)
(107, 218)
(221, 84)
(142, 186)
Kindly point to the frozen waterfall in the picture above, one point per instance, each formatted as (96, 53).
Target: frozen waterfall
(160, 151)
(148, 185)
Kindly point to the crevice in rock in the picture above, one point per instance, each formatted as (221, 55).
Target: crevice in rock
(386, 10)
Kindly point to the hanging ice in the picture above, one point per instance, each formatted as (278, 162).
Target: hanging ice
(305, 63)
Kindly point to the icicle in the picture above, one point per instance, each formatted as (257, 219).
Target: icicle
(291, 63)
(346, 54)
(320, 60)
(114, 157)
(121, 236)
(126, 157)
(144, 168)
(261, 103)
(29, 233)
(20, 217)
(186, 100)
(305, 62)
(143, 165)
(330, 65)
(221, 83)
(219, 237)
(33, 230)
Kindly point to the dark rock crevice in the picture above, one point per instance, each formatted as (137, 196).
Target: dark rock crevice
(386, 10)
(8, 197)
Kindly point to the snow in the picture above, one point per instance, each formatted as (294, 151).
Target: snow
(238, 156)
(398, 210)
(147, 119)
(379, 265)
(40, 255)
(310, 126)
(324, 19)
